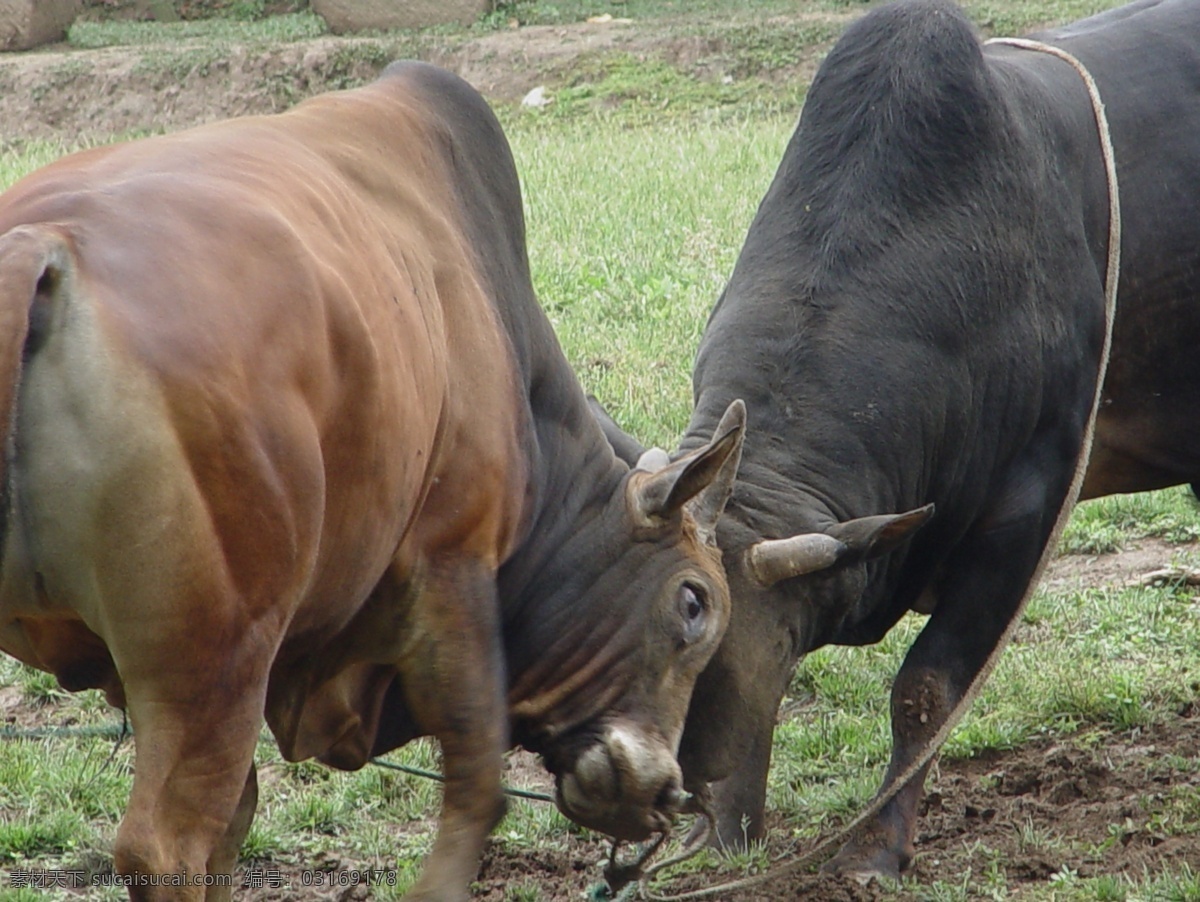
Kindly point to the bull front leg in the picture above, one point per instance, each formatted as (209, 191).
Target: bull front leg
(739, 802)
(985, 583)
(454, 678)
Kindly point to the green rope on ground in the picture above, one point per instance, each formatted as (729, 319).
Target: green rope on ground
(602, 892)
(118, 731)
(432, 775)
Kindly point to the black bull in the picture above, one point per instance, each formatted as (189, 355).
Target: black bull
(915, 322)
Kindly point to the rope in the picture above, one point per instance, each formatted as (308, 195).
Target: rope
(122, 731)
(1114, 209)
(1111, 278)
(432, 775)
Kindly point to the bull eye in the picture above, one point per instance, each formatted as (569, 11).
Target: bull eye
(693, 610)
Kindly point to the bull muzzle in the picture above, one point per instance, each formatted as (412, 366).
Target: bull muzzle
(625, 784)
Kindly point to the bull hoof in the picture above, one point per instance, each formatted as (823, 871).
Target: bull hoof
(864, 863)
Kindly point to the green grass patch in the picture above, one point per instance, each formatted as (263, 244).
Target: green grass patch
(655, 215)
(1109, 524)
(90, 35)
(653, 86)
(1182, 885)
(555, 12)
(1015, 17)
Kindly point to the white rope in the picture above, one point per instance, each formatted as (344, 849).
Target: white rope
(1114, 197)
(1111, 277)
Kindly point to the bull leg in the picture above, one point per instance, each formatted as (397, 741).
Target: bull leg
(455, 682)
(739, 802)
(727, 740)
(883, 847)
(224, 857)
(987, 579)
(195, 731)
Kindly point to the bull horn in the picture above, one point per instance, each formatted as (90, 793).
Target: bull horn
(772, 560)
(653, 459)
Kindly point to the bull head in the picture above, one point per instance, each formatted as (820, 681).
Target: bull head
(666, 606)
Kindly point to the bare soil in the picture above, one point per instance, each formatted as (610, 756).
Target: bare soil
(62, 93)
(1098, 807)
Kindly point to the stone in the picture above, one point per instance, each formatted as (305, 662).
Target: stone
(30, 23)
(358, 15)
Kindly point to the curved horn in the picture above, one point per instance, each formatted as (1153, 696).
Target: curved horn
(772, 560)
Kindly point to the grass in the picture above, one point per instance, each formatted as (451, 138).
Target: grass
(90, 34)
(1008, 16)
(1101, 526)
(630, 294)
(640, 182)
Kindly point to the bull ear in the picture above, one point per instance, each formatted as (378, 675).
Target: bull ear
(704, 478)
(855, 540)
(870, 537)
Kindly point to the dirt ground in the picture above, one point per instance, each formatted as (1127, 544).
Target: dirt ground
(975, 812)
(59, 92)
(1054, 807)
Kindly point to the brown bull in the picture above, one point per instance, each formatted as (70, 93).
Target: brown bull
(289, 436)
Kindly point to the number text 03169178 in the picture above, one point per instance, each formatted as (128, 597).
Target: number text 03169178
(349, 877)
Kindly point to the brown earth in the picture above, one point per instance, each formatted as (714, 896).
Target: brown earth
(1090, 805)
(61, 93)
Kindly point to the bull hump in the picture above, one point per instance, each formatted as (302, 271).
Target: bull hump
(905, 92)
